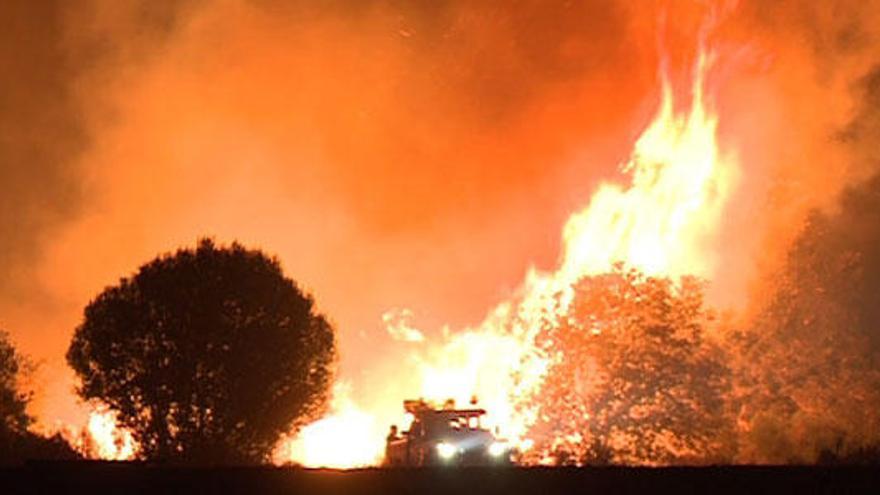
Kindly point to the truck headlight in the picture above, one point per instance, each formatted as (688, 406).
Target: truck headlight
(497, 449)
(446, 450)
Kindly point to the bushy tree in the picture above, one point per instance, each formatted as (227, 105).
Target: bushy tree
(207, 355)
(809, 365)
(633, 379)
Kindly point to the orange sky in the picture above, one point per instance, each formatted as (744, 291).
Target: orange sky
(392, 155)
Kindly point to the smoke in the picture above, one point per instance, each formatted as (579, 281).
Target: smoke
(39, 135)
(47, 50)
(793, 93)
(413, 155)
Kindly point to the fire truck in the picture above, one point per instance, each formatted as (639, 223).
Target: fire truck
(445, 436)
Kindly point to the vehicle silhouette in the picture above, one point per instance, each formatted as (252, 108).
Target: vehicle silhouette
(445, 437)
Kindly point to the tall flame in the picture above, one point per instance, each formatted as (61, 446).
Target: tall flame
(663, 222)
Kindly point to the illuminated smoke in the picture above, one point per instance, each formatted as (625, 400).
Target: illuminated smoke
(442, 148)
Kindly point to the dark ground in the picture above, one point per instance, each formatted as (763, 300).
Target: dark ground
(98, 478)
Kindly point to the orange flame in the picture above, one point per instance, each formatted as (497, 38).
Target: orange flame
(664, 222)
(328, 442)
(102, 438)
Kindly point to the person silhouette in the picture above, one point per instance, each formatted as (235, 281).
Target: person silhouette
(392, 433)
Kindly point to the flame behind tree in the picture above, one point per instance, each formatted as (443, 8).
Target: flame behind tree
(103, 439)
(206, 356)
(632, 378)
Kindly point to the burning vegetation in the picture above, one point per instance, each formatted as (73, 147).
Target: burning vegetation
(633, 377)
(617, 355)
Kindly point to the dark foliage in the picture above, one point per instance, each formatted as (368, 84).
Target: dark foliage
(207, 355)
(19, 447)
(810, 365)
(868, 455)
(13, 401)
(17, 444)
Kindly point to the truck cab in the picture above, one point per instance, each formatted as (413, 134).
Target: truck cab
(445, 436)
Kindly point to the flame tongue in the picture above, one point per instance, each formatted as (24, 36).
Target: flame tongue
(661, 223)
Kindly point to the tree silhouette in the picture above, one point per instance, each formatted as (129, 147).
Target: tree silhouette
(207, 355)
(13, 401)
(632, 379)
(17, 443)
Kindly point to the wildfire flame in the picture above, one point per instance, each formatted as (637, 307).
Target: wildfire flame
(663, 223)
(103, 439)
(327, 442)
